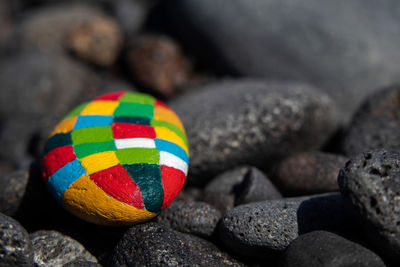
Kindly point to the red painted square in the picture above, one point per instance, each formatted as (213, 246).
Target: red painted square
(111, 96)
(116, 182)
(57, 158)
(173, 181)
(127, 130)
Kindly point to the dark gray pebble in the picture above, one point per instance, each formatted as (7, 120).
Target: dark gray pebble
(264, 229)
(245, 183)
(328, 44)
(325, 249)
(198, 218)
(153, 244)
(52, 248)
(252, 122)
(310, 172)
(15, 244)
(221, 201)
(370, 186)
(12, 190)
(376, 123)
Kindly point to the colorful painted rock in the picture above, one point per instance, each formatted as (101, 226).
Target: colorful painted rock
(117, 160)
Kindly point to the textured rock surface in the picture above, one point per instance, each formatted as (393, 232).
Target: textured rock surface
(321, 248)
(191, 217)
(376, 123)
(221, 201)
(15, 245)
(157, 63)
(310, 172)
(370, 185)
(12, 190)
(250, 122)
(245, 184)
(51, 248)
(81, 263)
(264, 229)
(327, 44)
(152, 244)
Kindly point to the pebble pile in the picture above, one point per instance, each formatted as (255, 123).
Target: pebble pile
(290, 111)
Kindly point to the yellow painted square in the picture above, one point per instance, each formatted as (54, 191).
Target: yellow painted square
(100, 108)
(65, 126)
(99, 161)
(168, 135)
(164, 114)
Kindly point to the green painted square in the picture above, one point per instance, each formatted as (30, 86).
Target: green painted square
(87, 149)
(138, 155)
(148, 178)
(134, 109)
(92, 135)
(76, 111)
(138, 98)
(57, 140)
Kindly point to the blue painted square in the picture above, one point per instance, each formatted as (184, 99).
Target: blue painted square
(64, 177)
(93, 121)
(163, 145)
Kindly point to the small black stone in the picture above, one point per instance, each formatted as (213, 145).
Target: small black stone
(12, 190)
(15, 245)
(264, 229)
(198, 218)
(52, 248)
(153, 244)
(370, 186)
(325, 249)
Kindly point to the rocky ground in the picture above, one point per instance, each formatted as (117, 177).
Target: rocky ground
(292, 111)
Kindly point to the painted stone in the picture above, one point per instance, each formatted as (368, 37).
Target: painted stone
(117, 160)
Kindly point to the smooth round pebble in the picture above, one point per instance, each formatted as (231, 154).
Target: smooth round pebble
(157, 62)
(192, 217)
(117, 160)
(326, 249)
(370, 186)
(310, 172)
(15, 244)
(153, 244)
(52, 248)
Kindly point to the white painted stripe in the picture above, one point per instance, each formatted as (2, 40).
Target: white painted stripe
(171, 160)
(135, 143)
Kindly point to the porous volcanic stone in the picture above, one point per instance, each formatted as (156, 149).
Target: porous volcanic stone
(52, 248)
(327, 44)
(12, 190)
(15, 245)
(240, 122)
(153, 244)
(321, 248)
(310, 172)
(157, 63)
(191, 217)
(221, 201)
(376, 123)
(264, 229)
(370, 185)
(81, 263)
(245, 184)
